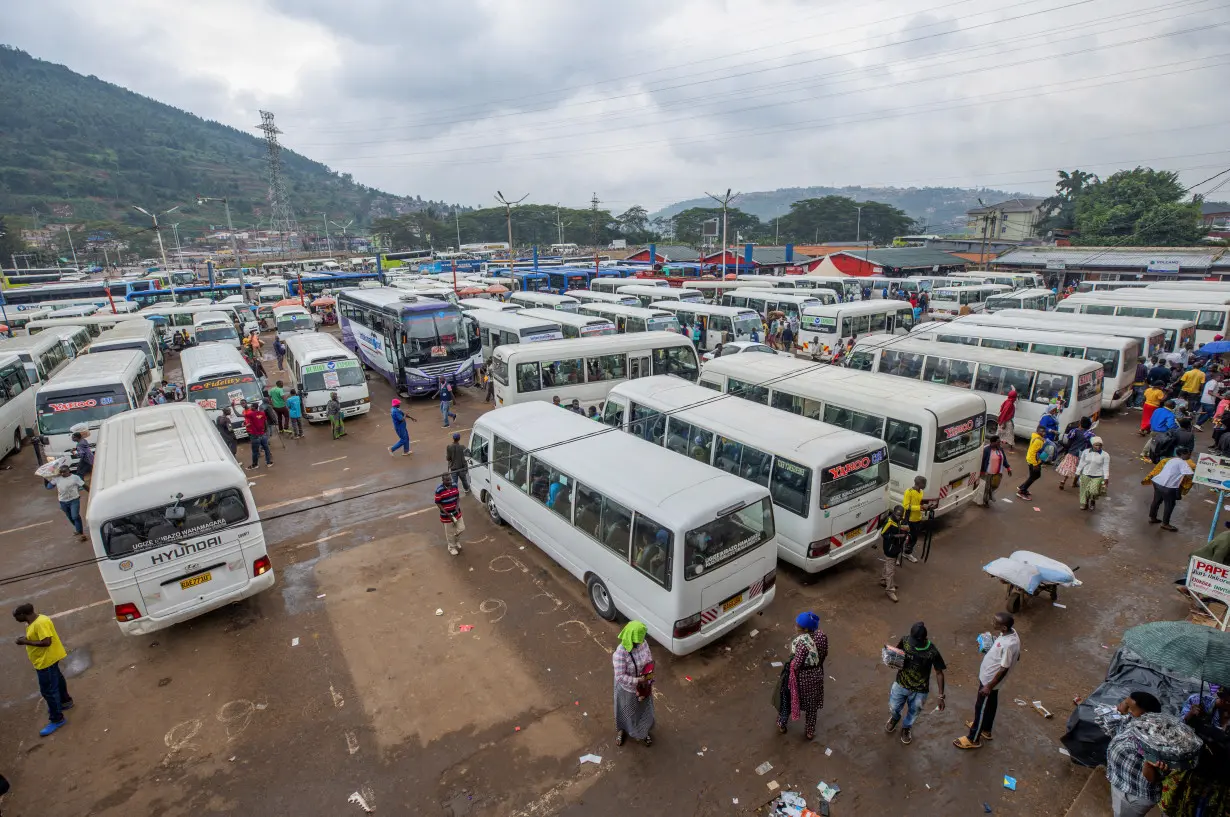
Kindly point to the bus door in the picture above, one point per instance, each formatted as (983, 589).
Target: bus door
(639, 365)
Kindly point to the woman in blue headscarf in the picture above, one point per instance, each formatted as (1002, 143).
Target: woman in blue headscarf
(800, 687)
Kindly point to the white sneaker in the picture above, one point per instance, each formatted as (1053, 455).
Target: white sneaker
(454, 551)
(911, 557)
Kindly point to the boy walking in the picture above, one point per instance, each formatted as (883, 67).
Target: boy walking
(45, 650)
(294, 407)
(448, 502)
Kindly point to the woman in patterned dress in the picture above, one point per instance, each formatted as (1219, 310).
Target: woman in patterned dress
(633, 685)
(800, 689)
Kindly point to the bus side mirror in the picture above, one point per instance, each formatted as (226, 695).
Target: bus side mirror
(404, 339)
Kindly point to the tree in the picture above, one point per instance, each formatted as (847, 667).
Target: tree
(10, 241)
(836, 218)
(1141, 207)
(634, 224)
(1060, 209)
(688, 224)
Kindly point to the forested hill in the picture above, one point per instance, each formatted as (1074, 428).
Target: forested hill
(75, 147)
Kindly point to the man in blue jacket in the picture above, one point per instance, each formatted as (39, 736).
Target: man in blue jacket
(399, 425)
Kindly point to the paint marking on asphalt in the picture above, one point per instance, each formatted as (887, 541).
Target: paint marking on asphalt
(79, 609)
(416, 513)
(322, 539)
(322, 495)
(338, 700)
(335, 459)
(24, 527)
(352, 742)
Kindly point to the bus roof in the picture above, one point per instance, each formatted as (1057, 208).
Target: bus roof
(290, 309)
(1075, 338)
(1134, 296)
(29, 343)
(810, 441)
(560, 316)
(88, 370)
(603, 344)
(391, 298)
(619, 310)
(512, 321)
(309, 347)
(703, 308)
(547, 297)
(1066, 317)
(211, 317)
(779, 294)
(855, 308)
(980, 354)
(649, 289)
(634, 472)
(210, 360)
(1028, 293)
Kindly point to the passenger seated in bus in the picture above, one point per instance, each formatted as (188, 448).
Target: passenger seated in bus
(651, 557)
(540, 483)
(677, 443)
(1049, 388)
(700, 449)
(527, 379)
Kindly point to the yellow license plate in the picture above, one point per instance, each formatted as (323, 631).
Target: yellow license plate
(957, 483)
(850, 534)
(195, 580)
(731, 604)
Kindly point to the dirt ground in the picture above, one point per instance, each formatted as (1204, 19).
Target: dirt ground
(344, 678)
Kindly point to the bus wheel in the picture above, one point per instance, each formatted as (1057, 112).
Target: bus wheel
(493, 511)
(16, 441)
(600, 597)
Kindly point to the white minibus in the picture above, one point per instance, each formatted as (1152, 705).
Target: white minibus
(573, 325)
(825, 329)
(1117, 355)
(1222, 286)
(43, 355)
(141, 335)
(1040, 300)
(17, 319)
(17, 418)
(1150, 335)
(545, 300)
(677, 544)
(633, 318)
(990, 373)
(586, 369)
(1210, 314)
(649, 295)
(931, 431)
(216, 377)
(77, 311)
(507, 328)
(174, 526)
(828, 485)
(613, 285)
(76, 339)
(586, 296)
(718, 324)
(764, 300)
(1109, 286)
(947, 303)
(488, 305)
(292, 320)
(89, 390)
(94, 324)
(846, 287)
(317, 364)
(916, 284)
(215, 327)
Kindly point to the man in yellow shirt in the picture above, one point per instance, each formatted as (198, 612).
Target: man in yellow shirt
(915, 506)
(45, 650)
(1192, 385)
(1036, 441)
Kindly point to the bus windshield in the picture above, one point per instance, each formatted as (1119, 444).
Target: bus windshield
(726, 538)
(57, 414)
(663, 323)
(439, 334)
(319, 377)
(297, 322)
(841, 483)
(216, 332)
(746, 324)
(224, 391)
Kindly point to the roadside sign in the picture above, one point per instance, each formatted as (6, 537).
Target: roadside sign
(1213, 472)
(1207, 578)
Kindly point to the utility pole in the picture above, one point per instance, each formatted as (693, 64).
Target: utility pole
(559, 224)
(457, 221)
(508, 206)
(858, 225)
(230, 229)
(158, 230)
(68, 233)
(281, 217)
(328, 243)
(179, 248)
(343, 228)
(725, 202)
(987, 220)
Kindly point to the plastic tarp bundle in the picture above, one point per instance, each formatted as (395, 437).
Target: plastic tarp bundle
(1015, 572)
(1167, 739)
(1052, 572)
(1086, 740)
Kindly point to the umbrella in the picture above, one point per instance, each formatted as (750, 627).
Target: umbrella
(497, 289)
(1217, 347)
(1185, 649)
(324, 302)
(288, 302)
(468, 291)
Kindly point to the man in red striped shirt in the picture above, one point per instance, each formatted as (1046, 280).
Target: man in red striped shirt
(448, 501)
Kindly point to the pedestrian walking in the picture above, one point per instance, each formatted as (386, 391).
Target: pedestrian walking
(447, 501)
(489, 383)
(277, 399)
(1135, 783)
(257, 426)
(991, 471)
(788, 337)
(1191, 384)
(456, 456)
(444, 391)
(294, 408)
(399, 418)
(913, 682)
(254, 343)
(1036, 441)
(1007, 413)
(1001, 656)
(258, 369)
(1171, 479)
(223, 422)
(1208, 400)
(633, 665)
(83, 450)
(68, 488)
(279, 349)
(800, 686)
(893, 537)
(1074, 443)
(1139, 382)
(917, 512)
(1093, 473)
(337, 421)
(45, 651)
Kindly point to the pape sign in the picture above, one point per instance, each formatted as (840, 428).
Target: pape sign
(1213, 472)
(1205, 578)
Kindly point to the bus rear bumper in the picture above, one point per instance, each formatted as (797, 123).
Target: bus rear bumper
(152, 624)
(683, 646)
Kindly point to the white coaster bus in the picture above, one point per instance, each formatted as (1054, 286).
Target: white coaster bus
(650, 295)
(948, 302)
(215, 327)
(714, 290)
(43, 354)
(586, 369)
(510, 328)
(140, 335)
(317, 364)
(545, 300)
(174, 526)
(990, 373)
(633, 318)
(1117, 355)
(89, 390)
(587, 296)
(572, 324)
(76, 339)
(94, 324)
(687, 549)
(1041, 300)
(1209, 312)
(718, 324)
(292, 320)
(17, 418)
(825, 329)
(613, 285)
(829, 486)
(931, 431)
(1150, 335)
(216, 377)
(763, 301)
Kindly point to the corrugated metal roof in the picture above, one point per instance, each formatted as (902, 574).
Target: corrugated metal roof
(673, 252)
(1194, 259)
(776, 255)
(1018, 205)
(907, 257)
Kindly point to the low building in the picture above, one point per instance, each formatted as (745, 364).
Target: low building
(761, 260)
(899, 262)
(1117, 263)
(1014, 219)
(665, 254)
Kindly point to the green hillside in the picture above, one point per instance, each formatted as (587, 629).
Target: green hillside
(78, 149)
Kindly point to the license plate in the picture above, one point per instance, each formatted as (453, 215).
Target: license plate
(731, 604)
(957, 483)
(850, 534)
(195, 580)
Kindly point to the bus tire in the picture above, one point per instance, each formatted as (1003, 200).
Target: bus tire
(601, 599)
(493, 511)
(17, 441)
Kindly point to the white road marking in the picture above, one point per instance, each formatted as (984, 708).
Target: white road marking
(322, 495)
(352, 742)
(24, 527)
(335, 459)
(338, 700)
(322, 539)
(79, 609)
(416, 513)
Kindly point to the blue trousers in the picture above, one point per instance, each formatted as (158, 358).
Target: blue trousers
(898, 697)
(446, 411)
(72, 509)
(260, 442)
(403, 441)
(54, 689)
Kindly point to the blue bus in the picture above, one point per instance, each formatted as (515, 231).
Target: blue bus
(318, 282)
(411, 340)
(182, 295)
(100, 292)
(529, 281)
(563, 279)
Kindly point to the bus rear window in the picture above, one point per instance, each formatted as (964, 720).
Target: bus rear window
(959, 438)
(727, 538)
(150, 528)
(843, 482)
(1089, 385)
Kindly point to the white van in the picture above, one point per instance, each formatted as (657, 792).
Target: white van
(141, 335)
(89, 390)
(318, 364)
(75, 339)
(16, 404)
(215, 327)
(174, 526)
(292, 320)
(217, 376)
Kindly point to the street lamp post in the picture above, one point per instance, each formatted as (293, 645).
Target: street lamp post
(230, 229)
(344, 228)
(328, 244)
(161, 248)
(179, 248)
(858, 226)
(71, 247)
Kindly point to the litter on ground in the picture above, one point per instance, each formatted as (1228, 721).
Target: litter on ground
(764, 768)
(594, 759)
(294, 642)
(828, 752)
(1009, 783)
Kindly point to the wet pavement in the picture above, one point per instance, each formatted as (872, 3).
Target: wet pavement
(343, 678)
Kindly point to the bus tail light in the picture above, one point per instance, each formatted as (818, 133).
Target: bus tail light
(820, 548)
(261, 566)
(685, 627)
(770, 579)
(127, 612)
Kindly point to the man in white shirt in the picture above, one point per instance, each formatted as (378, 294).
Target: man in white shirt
(1167, 487)
(1208, 401)
(1003, 654)
(69, 487)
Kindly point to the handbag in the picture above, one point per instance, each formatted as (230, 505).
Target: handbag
(644, 684)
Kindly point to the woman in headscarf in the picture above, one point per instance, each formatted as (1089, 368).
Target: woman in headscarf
(1007, 411)
(633, 685)
(800, 688)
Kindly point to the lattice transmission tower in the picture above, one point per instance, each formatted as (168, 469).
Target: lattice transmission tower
(281, 216)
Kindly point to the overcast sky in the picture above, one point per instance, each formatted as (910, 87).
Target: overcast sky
(646, 102)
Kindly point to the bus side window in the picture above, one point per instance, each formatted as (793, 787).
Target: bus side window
(904, 442)
(613, 414)
(528, 377)
(479, 448)
(651, 549)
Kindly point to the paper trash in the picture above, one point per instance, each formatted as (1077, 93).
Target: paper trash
(594, 759)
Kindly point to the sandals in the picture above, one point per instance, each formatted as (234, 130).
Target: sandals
(964, 743)
(781, 729)
(810, 734)
(648, 741)
(619, 737)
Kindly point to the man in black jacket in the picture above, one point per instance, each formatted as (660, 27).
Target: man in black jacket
(894, 534)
